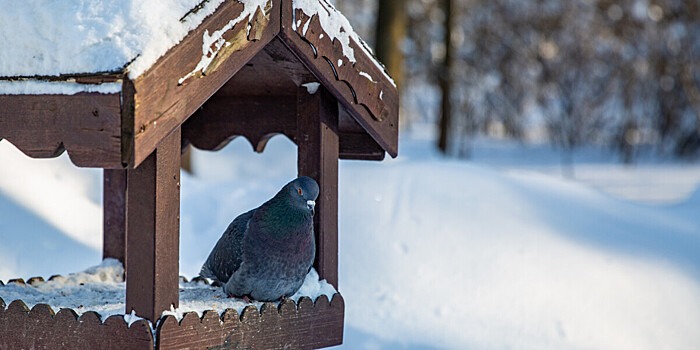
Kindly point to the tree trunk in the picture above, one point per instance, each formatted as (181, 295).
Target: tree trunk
(445, 80)
(392, 22)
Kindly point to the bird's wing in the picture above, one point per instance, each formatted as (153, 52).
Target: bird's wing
(226, 256)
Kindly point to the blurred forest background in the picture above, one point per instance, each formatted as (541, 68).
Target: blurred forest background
(624, 75)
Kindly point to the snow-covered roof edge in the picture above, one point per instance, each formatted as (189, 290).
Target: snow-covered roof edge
(43, 87)
(156, 49)
(337, 26)
(214, 42)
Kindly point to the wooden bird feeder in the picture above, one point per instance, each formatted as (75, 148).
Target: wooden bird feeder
(279, 72)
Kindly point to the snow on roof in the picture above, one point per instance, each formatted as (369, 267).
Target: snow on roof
(76, 37)
(41, 38)
(102, 289)
(42, 87)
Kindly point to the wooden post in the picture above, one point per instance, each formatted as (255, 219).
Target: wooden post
(153, 231)
(317, 140)
(114, 211)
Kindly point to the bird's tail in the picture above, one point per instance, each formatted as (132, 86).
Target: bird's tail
(206, 272)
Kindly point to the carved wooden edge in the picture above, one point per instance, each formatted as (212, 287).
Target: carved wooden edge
(42, 328)
(372, 102)
(176, 85)
(258, 119)
(304, 325)
(86, 125)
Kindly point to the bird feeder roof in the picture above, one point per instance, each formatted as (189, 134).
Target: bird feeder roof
(130, 72)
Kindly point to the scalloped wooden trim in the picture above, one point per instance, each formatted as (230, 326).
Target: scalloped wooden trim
(42, 328)
(86, 125)
(373, 103)
(304, 325)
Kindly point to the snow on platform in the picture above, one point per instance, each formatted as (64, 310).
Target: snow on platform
(102, 289)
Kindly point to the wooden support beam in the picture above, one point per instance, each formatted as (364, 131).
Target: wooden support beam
(114, 211)
(318, 151)
(153, 231)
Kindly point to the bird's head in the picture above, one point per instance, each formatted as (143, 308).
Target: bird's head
(303, 191)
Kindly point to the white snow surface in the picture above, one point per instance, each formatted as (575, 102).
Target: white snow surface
(75, 36)
(40, 87)
(311, 88)
(497, 252)
(102, 289)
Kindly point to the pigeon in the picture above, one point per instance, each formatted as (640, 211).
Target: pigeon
(265, 253)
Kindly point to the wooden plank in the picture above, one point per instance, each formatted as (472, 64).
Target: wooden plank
(80, 78)
(163, 100)
(359, 146)
(273, 71)
(41, 328)
(318, 151)
(259, 118)
(114, 211)
(372, 102)
(87, 125)
(153, 228)
(256, 118)
(288, 326)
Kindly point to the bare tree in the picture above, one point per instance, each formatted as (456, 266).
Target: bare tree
(390, 35)
(445, 79)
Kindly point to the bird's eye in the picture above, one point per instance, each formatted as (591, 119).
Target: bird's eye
(300, 191)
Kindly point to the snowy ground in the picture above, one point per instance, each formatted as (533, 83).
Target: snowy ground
(497, 252)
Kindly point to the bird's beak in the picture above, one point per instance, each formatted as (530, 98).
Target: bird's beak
(312, 205)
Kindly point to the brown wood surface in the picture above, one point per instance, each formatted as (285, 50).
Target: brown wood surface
(153, 231)
(260, 102)
(162, 103)
(87, 125)
(80, 78)
(373, 103)
(114, 211)
(256, 118)
(307, 325)
(317, 140)
(42, 328)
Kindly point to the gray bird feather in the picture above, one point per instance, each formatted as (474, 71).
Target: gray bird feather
(266, 252)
